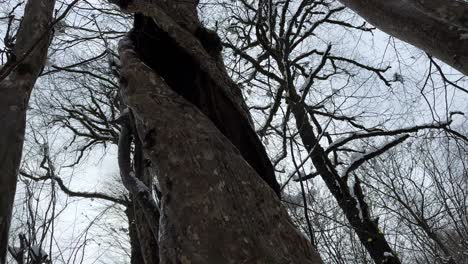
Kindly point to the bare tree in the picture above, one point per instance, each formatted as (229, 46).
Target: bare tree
(17, 77)
(189, 154)
(279, 51)
(423, 184)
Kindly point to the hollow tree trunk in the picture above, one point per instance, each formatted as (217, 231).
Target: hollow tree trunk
(17, 78)
(195, 129)
(215, 208)
(188, 57)
(439, 27)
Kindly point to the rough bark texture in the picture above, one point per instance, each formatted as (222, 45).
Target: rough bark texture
(16, 84)
(144, 247)
(148, 244)
(215, 209)
(158, 50)
(188, 57)
(147, 239)
(439, 27)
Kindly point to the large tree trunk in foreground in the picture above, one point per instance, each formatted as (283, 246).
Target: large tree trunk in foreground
(188, 57)
(439, 27)
(215, 208)
(194, 128)
(17, 79)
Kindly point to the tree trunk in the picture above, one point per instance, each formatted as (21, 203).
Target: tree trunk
(17, 79)
(354, 206)
(144, 247)
(148, 244)
(147, 238)
(214, 209)
(194, 126)
(136, 255)
(188, 57)
(439, 27)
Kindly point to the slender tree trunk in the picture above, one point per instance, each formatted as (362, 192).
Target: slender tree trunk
(136, 255)
(148, 244)
(439, 27)
(17, 79)
(215, 209)
(147, 238)
(354, 206)
(144, 247)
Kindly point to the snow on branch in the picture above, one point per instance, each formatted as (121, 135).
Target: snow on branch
(360, 159)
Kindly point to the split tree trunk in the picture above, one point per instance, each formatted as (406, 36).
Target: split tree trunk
(188, 57)
(17, 79)
(192, 121)
(145, 226)
(215, 208)
(439, 27)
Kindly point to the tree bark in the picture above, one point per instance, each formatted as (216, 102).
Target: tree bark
(17, 79)
(439, 27)
(215, 208)
(145, 226)
(136, 255)
(188, 57)
(148, 244)
(144, 247)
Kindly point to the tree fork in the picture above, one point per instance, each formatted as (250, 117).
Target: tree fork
(188, 57)
(210, 195)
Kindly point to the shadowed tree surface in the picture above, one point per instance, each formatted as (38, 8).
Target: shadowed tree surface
(211, 195)
(439, 27)
(17, 79)
(215, 198)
